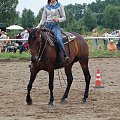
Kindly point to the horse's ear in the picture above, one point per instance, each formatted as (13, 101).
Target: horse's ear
(40, 29)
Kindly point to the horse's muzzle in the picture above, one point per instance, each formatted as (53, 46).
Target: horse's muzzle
(34, 59)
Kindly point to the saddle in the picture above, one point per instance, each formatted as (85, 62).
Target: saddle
(49, 36)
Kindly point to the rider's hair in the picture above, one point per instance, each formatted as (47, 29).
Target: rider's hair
(50, 1)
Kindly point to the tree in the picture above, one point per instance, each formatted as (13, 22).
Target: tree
(112, 17)
(27, 19)
(8, 12)
(98, 7)
(38, 17)
(113, 2)
(78, 11)
(89, 20)
(98, 1)
(70, 18)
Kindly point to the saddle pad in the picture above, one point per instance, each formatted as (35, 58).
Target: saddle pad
(67, 36)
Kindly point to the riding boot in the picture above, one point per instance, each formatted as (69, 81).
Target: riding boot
(67, 58)
(61, 48)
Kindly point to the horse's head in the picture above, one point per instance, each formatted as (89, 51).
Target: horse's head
(34, 41)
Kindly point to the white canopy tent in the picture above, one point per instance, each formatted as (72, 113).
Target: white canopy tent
(14, 27)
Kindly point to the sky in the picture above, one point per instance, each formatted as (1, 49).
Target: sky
(36, 5)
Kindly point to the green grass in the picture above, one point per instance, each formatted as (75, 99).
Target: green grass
(93, 53)
(104, 53)
(101, 52)
(17, 55)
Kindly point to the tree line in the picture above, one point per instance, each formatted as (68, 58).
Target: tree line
(80, 18)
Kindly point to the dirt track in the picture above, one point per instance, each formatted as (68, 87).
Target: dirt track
(103, 104)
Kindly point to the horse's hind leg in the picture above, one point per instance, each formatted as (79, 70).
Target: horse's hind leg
(51, 86)
(84, 65)
(29, 87)
(69, 81)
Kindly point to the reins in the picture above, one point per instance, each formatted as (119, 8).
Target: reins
(41, 54)
(46, 38)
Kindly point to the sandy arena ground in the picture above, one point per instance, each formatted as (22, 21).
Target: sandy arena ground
(103, 103)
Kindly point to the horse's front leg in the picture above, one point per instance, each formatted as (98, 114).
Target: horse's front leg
(51, 86)
(29, 86)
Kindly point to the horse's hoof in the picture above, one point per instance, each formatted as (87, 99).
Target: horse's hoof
(63, 100)
(50, 103)
(29, 66)
(29, 101)
(84, 100)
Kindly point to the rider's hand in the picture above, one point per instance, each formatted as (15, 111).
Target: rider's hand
(56, 19)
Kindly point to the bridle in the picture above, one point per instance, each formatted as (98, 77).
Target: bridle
(47, 39)
(41, 49)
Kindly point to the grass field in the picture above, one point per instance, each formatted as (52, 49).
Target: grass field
(93, 53)
(101, 51)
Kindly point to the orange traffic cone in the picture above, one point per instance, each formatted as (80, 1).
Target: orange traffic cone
(98, 83)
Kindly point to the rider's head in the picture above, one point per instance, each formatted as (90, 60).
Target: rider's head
(49, 1)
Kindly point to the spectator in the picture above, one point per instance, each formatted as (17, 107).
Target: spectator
(3, 47)
(11, 47)
(95, 40)
(112, 34)
(0, 32)
(118, 44)
(23, 47)
(105, 41)
(25, 34)
(3, 35)
(7, 36)
(18, 36)
(112, 46)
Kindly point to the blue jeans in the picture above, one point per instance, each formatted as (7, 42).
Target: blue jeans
(95, 41)
(105, 43)
(118, 45)
(55, 27)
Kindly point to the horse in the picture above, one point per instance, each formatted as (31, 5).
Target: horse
(44, 57)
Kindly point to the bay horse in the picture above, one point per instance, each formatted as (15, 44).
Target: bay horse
(44, 57)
